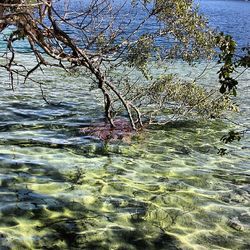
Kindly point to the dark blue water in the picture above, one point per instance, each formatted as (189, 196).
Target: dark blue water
(230, 17)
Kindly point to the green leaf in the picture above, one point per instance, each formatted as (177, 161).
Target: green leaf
(234, 92)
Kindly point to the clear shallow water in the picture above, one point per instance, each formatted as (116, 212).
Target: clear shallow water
(167, 189)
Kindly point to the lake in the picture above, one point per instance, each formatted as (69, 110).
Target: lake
(168, 189)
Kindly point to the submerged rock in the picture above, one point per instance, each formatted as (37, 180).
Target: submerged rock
(103, 130)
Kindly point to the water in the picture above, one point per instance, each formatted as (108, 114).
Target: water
(167, 189)
(232, 17)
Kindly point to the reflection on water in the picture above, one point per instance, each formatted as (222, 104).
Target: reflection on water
(167, 189)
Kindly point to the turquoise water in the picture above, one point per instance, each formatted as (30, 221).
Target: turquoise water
(166, 189)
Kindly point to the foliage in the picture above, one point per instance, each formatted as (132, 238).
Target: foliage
(181, 99)
(244, 60)
(228, 74)
(231, 136)
(231, 62)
